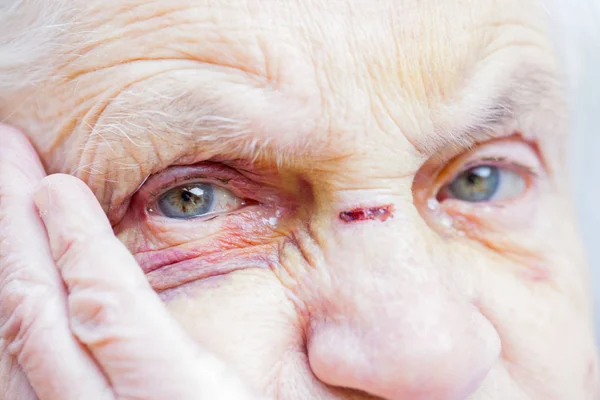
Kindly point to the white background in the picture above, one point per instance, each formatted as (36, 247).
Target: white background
(585, 156)
(575, 28)
(585, 161)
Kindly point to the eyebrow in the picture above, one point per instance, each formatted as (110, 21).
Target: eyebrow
(484, 113)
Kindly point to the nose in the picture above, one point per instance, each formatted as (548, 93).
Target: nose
(390, 326)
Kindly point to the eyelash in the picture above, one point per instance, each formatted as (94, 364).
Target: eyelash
(495, 159)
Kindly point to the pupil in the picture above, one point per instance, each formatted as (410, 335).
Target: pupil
(473, 178)
(186, 196)
(194, 195)
(479, 175)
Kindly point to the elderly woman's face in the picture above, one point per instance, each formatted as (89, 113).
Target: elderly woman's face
(343, 199)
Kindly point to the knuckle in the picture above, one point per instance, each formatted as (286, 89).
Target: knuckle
(98, 315)
(72, 250)
(29, 299)
(81, 265)
(13, 382)
(20, 285)
(25, 318)
(83, 247)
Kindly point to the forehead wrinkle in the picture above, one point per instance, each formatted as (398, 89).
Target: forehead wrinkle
(448, 93)
(188, 120)
(170, 30)
(96, 56)
(493, 103)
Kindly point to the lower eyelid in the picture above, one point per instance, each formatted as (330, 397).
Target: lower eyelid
(478, 220)
(152, 212)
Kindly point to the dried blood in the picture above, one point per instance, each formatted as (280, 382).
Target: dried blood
(367, 214)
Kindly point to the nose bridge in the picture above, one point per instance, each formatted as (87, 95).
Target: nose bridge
(379, 263)
(389, 325)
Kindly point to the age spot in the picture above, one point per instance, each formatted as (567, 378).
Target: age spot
(382, 214)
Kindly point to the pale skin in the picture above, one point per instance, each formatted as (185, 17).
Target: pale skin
(299, 113)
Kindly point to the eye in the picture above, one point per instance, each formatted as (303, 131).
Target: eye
(195, 200)
(484, 183)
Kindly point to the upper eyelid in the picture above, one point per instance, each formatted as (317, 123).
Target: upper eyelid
(229, 178)
(452, 168)
(180, 174)
(493, 151)
(159, 191)
(498, 162)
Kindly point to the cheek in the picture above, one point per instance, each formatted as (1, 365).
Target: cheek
(224, 283)
(219, 279)
(246, 318)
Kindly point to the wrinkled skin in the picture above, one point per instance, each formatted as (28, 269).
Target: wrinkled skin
(308, 109)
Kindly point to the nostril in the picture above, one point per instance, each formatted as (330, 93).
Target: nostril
(381, 213)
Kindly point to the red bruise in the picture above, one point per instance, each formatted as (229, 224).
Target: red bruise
(368, 214)
(153, 260)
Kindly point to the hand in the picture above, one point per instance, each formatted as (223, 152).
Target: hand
(78, 319)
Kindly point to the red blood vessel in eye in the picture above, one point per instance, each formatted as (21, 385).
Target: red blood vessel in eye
(367, 214)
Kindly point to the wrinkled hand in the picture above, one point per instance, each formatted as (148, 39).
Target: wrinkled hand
(78, 319)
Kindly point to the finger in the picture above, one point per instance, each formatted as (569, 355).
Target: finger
(115, 312)
(13, 382)
(33, 314)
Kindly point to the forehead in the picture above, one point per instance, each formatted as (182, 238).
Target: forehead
(433, 42)
(396, 65)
